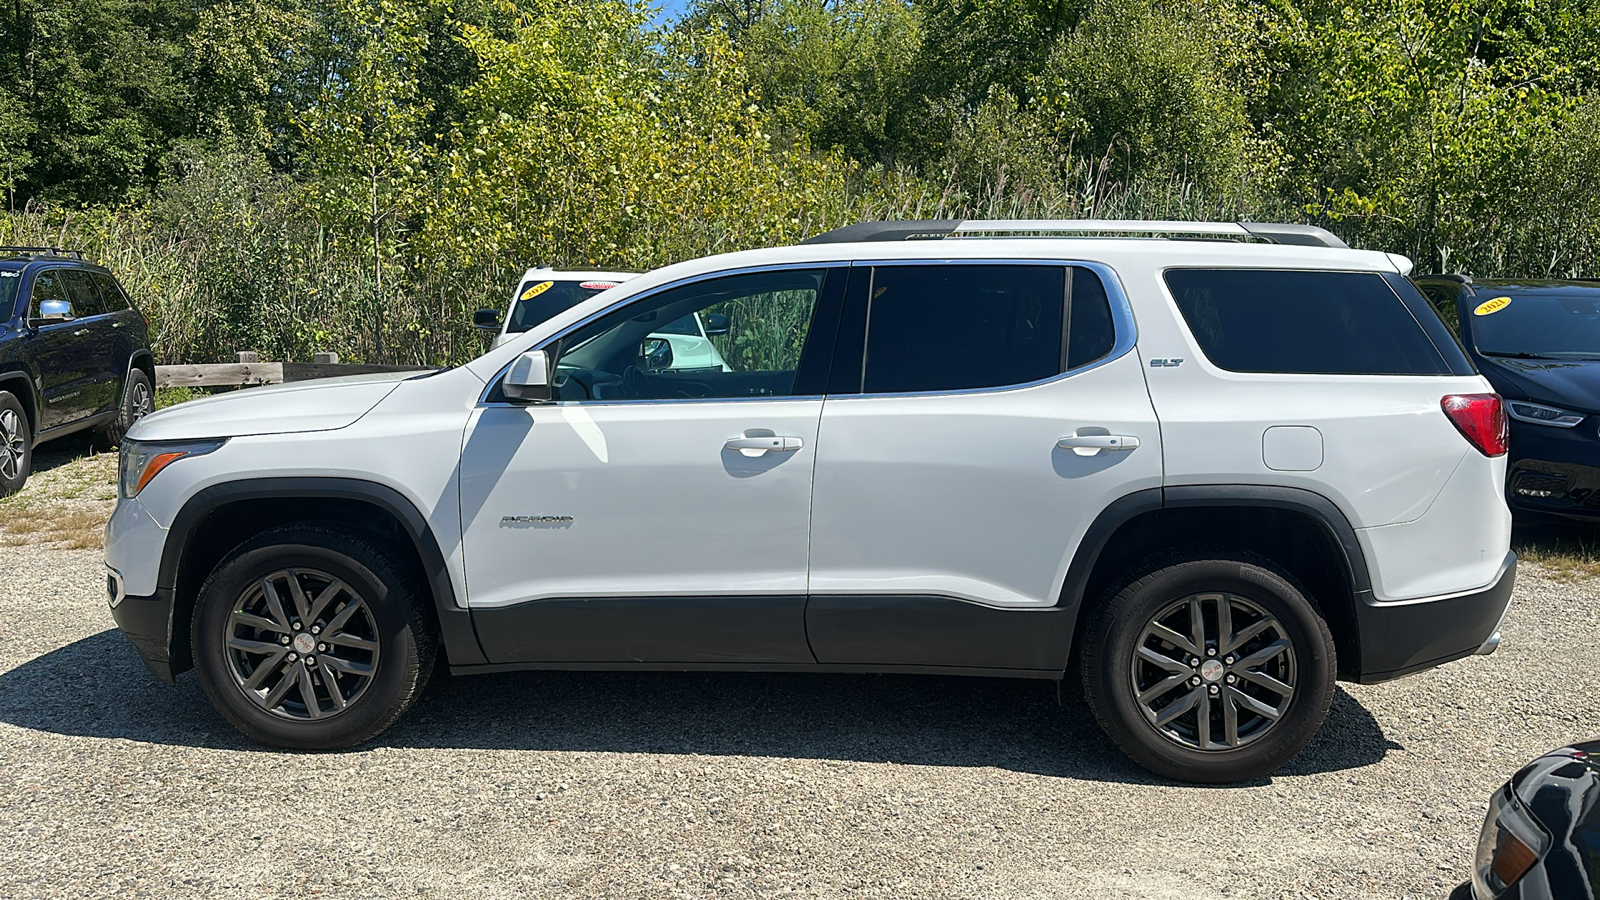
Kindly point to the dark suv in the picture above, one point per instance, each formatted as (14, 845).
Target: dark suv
(74, 354)
(1538, 343)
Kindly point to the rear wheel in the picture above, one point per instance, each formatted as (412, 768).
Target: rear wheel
(16, 445)
(311, 637)
(138, 401)
(1210, 670)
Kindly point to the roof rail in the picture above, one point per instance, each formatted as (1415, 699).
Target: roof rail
(43, 251)
(936, 229)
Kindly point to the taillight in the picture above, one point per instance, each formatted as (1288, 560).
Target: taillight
(1481, 419)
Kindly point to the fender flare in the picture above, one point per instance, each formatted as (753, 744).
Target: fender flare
(455, 621)
(28, 398)
(1130, 506)
(133, 363)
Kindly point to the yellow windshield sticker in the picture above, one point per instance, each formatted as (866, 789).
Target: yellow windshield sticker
(536, 289)
(1492, 306)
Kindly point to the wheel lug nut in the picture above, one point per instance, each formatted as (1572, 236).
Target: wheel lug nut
(1228, 660)
(1195, 681)
(293, 657)
(296, 626)
(284, 639)
(1195, 661)
(311, 660)
(322, 648)
(1215, 689)
(1233, 679)
(316, 629)
(1211, 651)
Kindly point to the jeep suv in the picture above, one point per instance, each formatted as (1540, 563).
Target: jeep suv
(1208, 476)
(74, 354)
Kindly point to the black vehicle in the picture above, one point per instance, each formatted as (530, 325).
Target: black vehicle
(1541, 839)
(74, 354)
(1538, 343)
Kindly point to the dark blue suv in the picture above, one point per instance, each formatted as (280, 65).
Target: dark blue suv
(74, 355)
(1538, 343)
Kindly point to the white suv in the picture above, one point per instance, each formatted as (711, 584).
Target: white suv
(1209, 476)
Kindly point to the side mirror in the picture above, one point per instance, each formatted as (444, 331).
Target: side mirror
(486, 319)
(656, 353)
(52, 312)
(717, 324)
(528, 379)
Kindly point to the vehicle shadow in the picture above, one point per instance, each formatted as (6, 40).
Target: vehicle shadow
(96, 687)
(55, 453)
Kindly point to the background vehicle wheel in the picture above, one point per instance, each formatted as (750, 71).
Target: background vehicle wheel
(138, 401)
(1210, 670)
(311, 637)
(16, 445)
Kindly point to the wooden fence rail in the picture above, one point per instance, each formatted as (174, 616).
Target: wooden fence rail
(248, 371)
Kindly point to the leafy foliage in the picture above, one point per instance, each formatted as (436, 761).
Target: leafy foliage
(358, 175)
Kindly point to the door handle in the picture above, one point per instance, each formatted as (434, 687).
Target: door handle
(753, 446)
(80, 332)
(1097, 442)
(116, 324)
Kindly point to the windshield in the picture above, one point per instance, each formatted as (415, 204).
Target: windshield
(1560, 322)
(8, 294)
(540, 300)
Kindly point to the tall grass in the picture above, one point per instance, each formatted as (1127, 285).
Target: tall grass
(233, 257)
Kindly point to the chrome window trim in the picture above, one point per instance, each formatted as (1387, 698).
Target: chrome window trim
(483, 396)
(1122, 319)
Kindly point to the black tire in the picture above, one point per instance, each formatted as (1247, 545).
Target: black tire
(1254, 591)
(16, 445)
(138, 401)
(394, 622)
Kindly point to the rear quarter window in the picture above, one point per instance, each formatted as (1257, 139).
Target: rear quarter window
(1302, 322)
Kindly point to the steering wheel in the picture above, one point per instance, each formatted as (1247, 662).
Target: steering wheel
(634, 384)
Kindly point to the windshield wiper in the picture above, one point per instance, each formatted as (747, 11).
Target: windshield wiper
(1517, 355)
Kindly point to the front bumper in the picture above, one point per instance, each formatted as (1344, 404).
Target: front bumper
(1555, 471)
(147, 621)
(1398, 639)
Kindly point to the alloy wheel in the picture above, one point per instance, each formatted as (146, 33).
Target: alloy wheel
(12, 444)
(301, 644)
(1214, 671)
(142, 401)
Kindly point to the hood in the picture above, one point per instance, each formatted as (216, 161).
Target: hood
(1562, 789)
(321, 405)
(1569, 383)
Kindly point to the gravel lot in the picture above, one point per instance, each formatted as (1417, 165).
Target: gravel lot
(632, 785)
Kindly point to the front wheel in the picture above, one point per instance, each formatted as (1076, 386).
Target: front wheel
(16, 445)
(1210, 670)
(138, 401)
(311, 637)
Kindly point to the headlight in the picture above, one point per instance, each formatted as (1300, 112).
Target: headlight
(142, 461)
(1511, 842)
(1539, 414)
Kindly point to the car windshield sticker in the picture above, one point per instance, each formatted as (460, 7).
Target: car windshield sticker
(535, 290)
(597, 285)
(1492, 306)
(10, 274)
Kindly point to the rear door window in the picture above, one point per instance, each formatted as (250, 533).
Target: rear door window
(1297, 322)
(962, 327)
(1091, 335)
(83, 293)
(111, 292)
